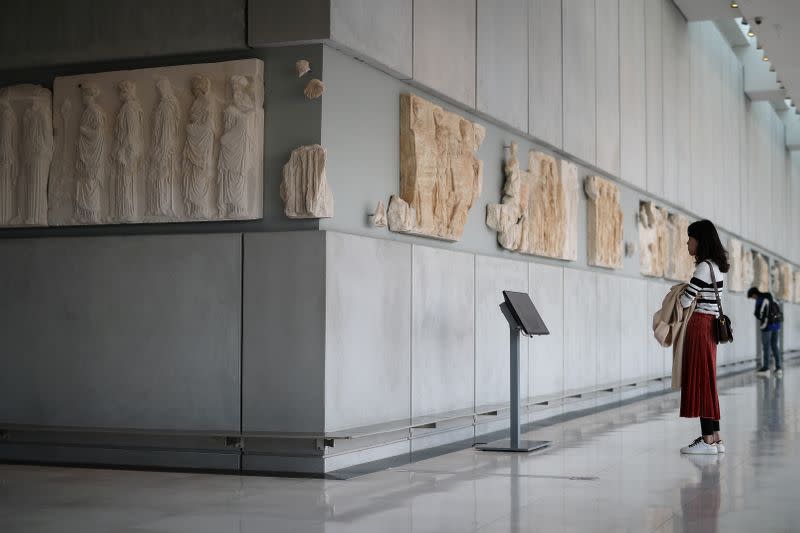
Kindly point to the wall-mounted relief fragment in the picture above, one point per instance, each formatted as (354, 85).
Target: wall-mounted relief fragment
(538, 212)
(605, 223)
(785, 282)
(440, 173)
(304, 190)
(652, 239)
(169, 144)
(740, 276)
(679, 264)
(760, 272)
(301, 66)
(314, 89)
(797, 287)
(378, 218)
(26, 152)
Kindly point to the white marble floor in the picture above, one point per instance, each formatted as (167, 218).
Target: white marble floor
(618, 470)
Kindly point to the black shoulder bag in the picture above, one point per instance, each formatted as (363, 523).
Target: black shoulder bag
(722, 324)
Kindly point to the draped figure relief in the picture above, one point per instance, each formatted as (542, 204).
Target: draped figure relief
(163, 152)
(90, 163)
(198, 151)
(167, 144)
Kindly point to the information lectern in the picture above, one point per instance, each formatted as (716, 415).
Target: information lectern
(523, 318)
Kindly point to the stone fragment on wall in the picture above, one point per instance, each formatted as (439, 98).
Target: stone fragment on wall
(26, 151)
(440, 173)
(652, 239)
(740, 276)
(538, 212)
(797, 287)
(760, 272)
(679, 264)
(785, 285)
(304, 190)
(168, 144)
(605, 223)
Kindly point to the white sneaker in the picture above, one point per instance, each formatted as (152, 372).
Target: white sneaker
(700, 447)
(779, 373)
(720, 446)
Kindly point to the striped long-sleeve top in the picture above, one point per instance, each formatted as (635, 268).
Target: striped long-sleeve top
(700, 287)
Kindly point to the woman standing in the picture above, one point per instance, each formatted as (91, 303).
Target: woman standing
(699, 380)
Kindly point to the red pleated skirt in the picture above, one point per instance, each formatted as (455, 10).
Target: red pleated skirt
(699, 381)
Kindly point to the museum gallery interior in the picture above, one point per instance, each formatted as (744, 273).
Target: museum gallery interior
(267, 241)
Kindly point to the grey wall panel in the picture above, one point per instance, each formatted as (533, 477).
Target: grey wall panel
(547, 352)
(670, 63)
(443, 331)
(502, 67)
(580, 313)
(283, 336)
(635, 334)
(545, 71)
(121, 332)
(609, 329)
(607, 52)
(368, 331)
(654, 96)
(82, 31)
(444, 47)
(700, 120)
(684, 166)
(492, 276)
(378, 29)
(580, 118)
(270, 22)
(633, 108)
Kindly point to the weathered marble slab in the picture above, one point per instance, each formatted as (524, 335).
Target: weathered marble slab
(538, 214)
(304, 189)
(652, 239)
(785, 285)
(740, 276)
(605, 222)
(797, 287)
(679, 264)
(760, 272)
(440, 173)
(168, 144)
(26, 150)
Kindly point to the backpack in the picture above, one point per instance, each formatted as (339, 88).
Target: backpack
(774, 313)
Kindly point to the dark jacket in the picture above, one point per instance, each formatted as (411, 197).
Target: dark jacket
(762, 313)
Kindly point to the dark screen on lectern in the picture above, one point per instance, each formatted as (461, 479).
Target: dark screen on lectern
(525, 313)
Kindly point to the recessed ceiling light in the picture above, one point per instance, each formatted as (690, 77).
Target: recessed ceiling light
(734, 5)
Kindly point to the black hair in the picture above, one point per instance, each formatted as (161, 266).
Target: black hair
(753, 291)
(709, 247)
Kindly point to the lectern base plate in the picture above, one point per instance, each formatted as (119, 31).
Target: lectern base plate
(505, 446)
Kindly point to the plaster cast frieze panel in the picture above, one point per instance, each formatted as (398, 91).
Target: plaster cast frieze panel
(167, 144)
(304, 189)
(785, 285)
(652, 239)
(538, 212)
(740, 276)
(605, 222)
(760, 272)
(440, 173)
(679, 264)
(26, 151)
(797, 287)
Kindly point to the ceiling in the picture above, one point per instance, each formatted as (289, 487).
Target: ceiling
(778, 34)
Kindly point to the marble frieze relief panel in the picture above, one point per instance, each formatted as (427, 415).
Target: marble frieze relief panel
(652, 239)
(741, 261)
(168, 144)
(797, 287)
(440, 173)
(538, 212)
(760, 272)
(679, 264)
(604, 223)
(304, 190)
(26, 151)
(785, 289)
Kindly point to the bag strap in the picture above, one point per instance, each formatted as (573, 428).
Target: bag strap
(714, 283)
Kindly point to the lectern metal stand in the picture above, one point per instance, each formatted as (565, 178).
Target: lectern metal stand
(514, 444)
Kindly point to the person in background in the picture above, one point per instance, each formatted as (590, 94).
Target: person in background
(768, 314)
(699, 380)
